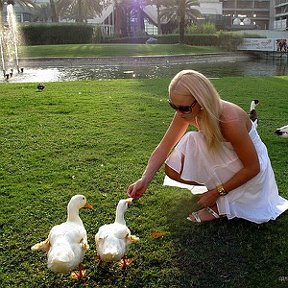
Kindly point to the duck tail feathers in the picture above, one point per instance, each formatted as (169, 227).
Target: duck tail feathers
(59, 259)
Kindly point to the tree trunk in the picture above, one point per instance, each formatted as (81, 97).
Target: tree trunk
(181, 20)
(140, 21)
(118, 20)
(80, 16)
(54, 17)
(158, 20)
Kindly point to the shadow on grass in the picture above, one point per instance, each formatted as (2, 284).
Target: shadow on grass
(234, 253)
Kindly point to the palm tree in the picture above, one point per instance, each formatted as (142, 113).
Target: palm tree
(136, 16)
(129, 17)
(79, 10)
(120, 18)
(181, 12)
(54, 17)
(158, 4)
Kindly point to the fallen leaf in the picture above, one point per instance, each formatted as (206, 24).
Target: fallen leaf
(158, 234)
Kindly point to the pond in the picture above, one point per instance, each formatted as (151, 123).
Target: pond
(53, 73)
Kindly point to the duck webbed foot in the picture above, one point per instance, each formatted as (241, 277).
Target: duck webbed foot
(77, 275)
(42, 246)
(124, 262)
(85, 246)
(133, 239)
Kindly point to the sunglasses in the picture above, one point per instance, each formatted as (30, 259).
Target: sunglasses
(183, 109)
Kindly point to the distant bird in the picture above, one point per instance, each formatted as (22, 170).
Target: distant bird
(282, 132)
(67, 243)
(112, 240)
(40, 87)
(252, 112)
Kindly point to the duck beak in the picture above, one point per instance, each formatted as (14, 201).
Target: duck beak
(88, 206)
(129, 201)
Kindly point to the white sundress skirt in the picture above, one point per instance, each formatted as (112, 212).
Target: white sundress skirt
(257, 200)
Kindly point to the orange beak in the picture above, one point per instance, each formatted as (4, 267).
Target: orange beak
(129, 201)
(88, 206)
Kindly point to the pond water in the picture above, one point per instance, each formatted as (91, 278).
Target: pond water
(52, 73)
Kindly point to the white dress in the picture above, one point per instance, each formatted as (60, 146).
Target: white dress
(257, 200)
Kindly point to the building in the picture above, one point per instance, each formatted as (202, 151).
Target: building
(23, 14)
(247, 14)
(280, 15)
(226, 14)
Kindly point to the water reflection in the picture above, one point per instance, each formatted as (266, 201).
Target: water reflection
(268, 67)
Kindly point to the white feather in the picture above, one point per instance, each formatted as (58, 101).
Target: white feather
(66, 243)
(112, 240)
(282, 132)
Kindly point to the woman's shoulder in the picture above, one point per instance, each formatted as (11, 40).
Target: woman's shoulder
(234, 118)
(232, 112)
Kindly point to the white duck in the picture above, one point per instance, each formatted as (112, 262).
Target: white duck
(67, 243)
(252, 112)
(282, 132)
(112, 240)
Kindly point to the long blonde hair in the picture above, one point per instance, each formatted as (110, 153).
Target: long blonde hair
(195, 84)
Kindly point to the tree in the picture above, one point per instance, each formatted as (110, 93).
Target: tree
(120, 18)
(54, 17)
(181, 12)
(129, 17)
(79, 10)
(158, 4)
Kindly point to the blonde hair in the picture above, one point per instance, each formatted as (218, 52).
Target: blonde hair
(195, 84)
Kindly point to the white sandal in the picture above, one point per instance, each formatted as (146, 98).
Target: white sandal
(198, 219)
(212, 212)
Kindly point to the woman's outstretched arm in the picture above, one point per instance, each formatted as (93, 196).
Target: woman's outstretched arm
(173, 134)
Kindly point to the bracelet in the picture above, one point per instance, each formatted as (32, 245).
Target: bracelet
(221, 190)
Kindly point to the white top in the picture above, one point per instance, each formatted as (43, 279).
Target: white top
(257, 200)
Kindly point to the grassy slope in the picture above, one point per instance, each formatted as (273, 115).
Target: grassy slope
(105, 50)
(102, 133)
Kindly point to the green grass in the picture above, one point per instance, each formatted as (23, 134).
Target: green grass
(106, 50)
(94, 138)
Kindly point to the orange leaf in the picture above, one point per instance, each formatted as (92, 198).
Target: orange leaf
(157, 234)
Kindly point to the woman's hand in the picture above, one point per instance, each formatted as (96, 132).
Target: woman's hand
(137, 189)
(208, 199)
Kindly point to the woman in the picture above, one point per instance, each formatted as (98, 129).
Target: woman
(226, 155)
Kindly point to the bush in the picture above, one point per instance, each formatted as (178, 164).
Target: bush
(195, 40)
(229, 40)
(97, 35)
(136, 40)
(205, 28)
(41, 34)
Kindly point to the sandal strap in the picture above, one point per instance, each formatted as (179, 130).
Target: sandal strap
(196, 217)
(212, 212)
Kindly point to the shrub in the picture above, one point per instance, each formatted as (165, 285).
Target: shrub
(205, 28)
(97, 35)
(229, 40)
(39, 34)
(136, 40)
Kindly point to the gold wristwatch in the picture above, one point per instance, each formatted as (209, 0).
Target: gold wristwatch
(221, 190)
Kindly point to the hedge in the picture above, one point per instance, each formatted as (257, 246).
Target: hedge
(41, 34)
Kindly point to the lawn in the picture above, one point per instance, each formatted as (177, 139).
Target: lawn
(106, 50)
(94, 138)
